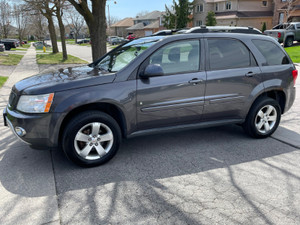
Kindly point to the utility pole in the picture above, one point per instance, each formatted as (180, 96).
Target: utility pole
(108, 13)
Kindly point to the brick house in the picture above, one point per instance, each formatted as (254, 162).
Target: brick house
(281, 11)
(235, 12)
(119, 28)
(147, 24)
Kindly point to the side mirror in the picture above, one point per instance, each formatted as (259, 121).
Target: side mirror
(152, 70)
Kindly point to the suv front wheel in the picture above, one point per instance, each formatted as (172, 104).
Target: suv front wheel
(263, 118)
(91, 138)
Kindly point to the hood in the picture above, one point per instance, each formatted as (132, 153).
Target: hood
(63, 79)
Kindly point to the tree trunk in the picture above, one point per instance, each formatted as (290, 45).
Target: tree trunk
(75, 37)
(62, 33)
(52, 34)
(96, 23)
(98, 30)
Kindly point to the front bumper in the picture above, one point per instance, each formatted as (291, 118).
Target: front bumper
(37, 127)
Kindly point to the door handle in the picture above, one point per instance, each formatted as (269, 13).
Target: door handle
(250, 74)
(195, 81)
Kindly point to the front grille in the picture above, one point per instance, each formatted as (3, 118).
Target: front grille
(12, 101)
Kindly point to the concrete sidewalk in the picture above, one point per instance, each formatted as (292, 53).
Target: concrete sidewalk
(27, 190)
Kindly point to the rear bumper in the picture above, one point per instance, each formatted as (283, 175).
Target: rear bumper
(290, 100)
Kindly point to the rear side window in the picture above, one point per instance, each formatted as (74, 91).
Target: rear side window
(229, 54)
(273, 54)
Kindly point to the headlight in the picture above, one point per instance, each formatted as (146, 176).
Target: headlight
(35, 103)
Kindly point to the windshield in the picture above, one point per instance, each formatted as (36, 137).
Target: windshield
(121, 57)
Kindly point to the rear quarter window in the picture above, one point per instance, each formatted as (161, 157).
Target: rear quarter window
(272, 53)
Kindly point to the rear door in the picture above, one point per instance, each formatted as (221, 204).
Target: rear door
(177, 97)
(232, 74)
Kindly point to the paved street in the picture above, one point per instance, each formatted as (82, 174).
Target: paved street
(83, 52)
(203, 176)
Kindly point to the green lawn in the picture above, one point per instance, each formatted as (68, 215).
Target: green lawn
(10, 59)
(19, 49)
(70, 42)
(2, 80)
(57, 59)
(294, 53)
(25, 46)
(85, 44)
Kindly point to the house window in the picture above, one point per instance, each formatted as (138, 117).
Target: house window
(281, 17)
(198, 23)
(264, 3)
(217, 7)
(199, 8)
(228, 5)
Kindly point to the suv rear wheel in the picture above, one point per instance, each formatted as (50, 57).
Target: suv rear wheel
(91, 138)
(263, 118)
(289, 42)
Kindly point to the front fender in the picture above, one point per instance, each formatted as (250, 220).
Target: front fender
(121, 96)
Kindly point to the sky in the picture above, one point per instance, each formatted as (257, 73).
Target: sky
(129, 8)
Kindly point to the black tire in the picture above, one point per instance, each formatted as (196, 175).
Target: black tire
(289, 42)
(82, 125)
(270, 120)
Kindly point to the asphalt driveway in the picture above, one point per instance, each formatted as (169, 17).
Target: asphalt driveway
(203, 176)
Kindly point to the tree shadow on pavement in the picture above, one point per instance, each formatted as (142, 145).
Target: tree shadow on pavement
(188, 177)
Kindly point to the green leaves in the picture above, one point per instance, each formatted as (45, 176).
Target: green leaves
(179, 15)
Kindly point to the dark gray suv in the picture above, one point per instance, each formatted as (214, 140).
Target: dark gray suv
(155, 84)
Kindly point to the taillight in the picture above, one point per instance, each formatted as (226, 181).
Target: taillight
(295, 75)
(279, 35)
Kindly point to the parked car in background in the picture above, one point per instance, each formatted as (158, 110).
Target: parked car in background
(2, 47)
(228, 29)
(131, 37)
(83, 41)
(155, 84)
(110, 37)
(9, 43)
(117, 40)
(41, 43)
(286, 36)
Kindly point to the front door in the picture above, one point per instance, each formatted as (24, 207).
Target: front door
(176, 97)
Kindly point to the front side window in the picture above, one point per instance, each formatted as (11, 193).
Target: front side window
(217, 6)
(121, 57)
(272, 53)
(229, 54)
(178, 57)
(291, 27)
